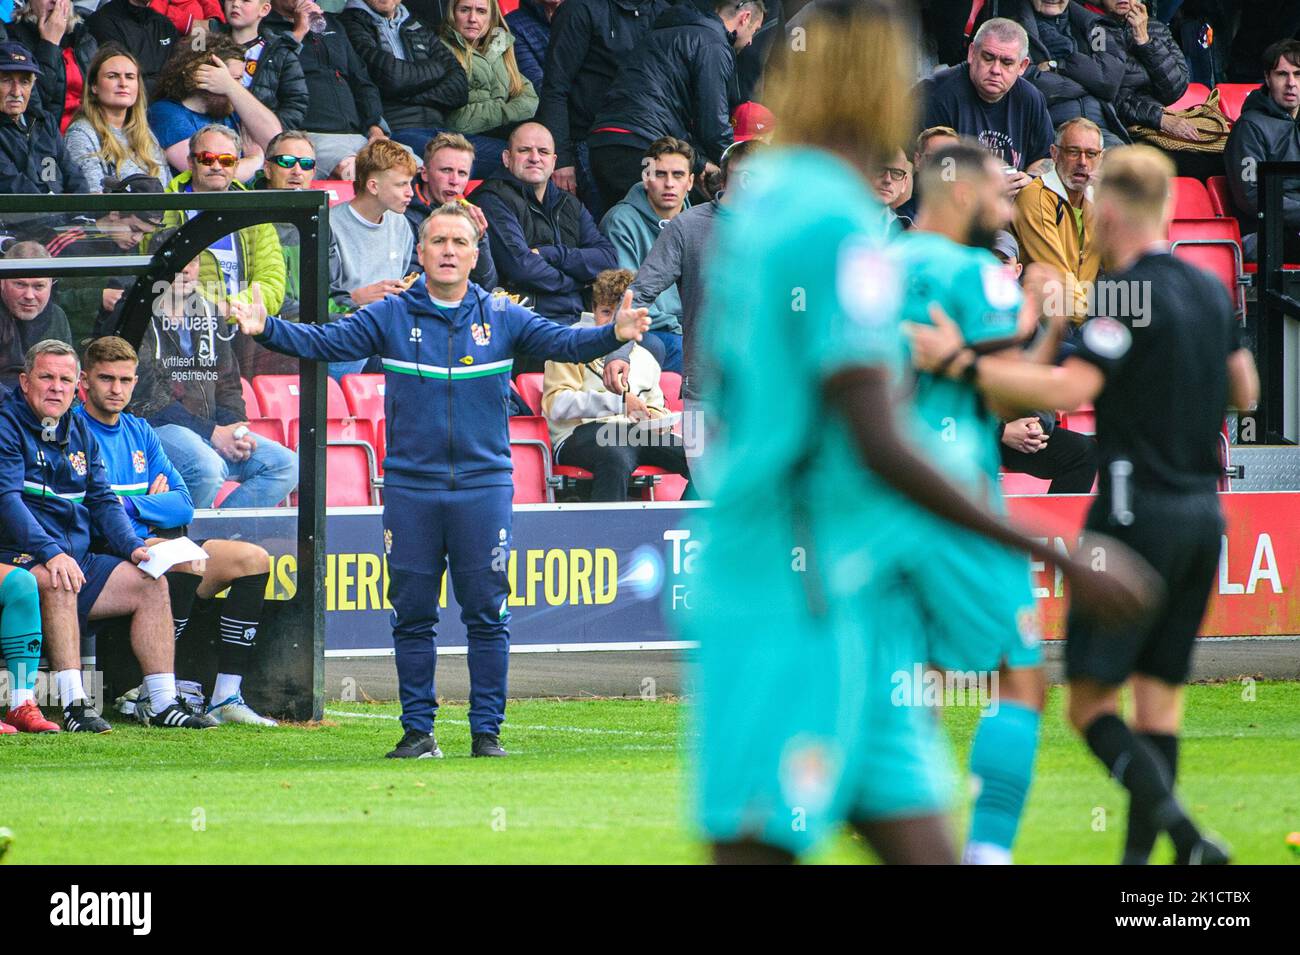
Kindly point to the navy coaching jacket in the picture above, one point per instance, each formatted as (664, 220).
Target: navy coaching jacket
(447, 376)
(52, 490)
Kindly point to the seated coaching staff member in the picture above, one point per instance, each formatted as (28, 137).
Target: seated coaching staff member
(1179, 366)
(447, 479)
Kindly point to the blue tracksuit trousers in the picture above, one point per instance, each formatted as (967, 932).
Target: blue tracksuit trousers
(469, 529)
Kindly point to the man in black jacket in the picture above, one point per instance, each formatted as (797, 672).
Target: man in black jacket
(590, 41)
(420, 80)
(1073, 63)
(1155, 73)
(149, 35)
(680, 82)
(32, 157)
(544, 243)
(343, 110)
(1268, 130)
(272, 72)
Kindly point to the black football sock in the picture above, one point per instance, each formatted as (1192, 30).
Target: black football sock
(1142, 832)
(1137, 768)
(241, 616)
(182, 588)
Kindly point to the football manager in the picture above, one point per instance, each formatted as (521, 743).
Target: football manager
(446, 346)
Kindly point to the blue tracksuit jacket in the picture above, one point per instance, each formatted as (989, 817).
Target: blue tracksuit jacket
(133, 456)
(55, 495)
(447, 376)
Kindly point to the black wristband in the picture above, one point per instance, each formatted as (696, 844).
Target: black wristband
(970, 372)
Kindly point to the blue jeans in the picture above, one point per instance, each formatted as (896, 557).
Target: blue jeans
(672, 349)
(265, 478)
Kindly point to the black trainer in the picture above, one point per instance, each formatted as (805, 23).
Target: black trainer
(1205, 852)
(83, 718)
(177, 715)
(415, 745)
(487, 744)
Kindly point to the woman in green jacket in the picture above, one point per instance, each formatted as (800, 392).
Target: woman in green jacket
(500, 97)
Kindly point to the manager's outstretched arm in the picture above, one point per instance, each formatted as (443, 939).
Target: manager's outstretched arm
(350, 339)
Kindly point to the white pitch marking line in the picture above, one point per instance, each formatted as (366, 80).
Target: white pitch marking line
(522, 726)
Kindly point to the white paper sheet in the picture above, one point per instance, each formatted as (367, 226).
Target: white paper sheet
(165, 555)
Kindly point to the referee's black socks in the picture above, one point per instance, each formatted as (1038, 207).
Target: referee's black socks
(1142, 831)
(1136, 766)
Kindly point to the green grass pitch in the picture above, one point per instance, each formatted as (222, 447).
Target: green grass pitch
(598, 781)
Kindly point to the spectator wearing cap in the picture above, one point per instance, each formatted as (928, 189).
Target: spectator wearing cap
(344, 111)
(133, 26)
(1033, 444)
(1053, 215)
(29, 143)
(988, 99)
(110, 136)
(27, 315)
(88, 299)
(928, 142)
(530, 22)
(678, 83)
(590, 41)
(63, 47)
(634, 223)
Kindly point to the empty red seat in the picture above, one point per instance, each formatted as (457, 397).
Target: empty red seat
(1196, 95)
(226, 488)
(670, 383)
(1013, 482)
(251, 407)
(270, 428)
(530, 389)
(1232, 96)
(1083, 420)
(365, 396)
(340, 190)
(1213, 244)
(1191, 199)
(1220, 197)
(339, 429)
(530, 453)
(277, 395)
(349, 481)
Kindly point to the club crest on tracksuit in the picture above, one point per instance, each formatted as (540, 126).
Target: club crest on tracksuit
(482, 334)
(388, 541)
(78, 461)
(138, 461)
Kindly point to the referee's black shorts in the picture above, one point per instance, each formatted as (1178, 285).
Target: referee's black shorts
(1179, 535)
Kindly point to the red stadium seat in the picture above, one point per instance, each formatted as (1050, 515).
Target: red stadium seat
(269, 428)
(1013, 482)
(1232, 96)
(670, 383)
(472, 185)
(1082, 420)
(1191, 199)
(277, 395)
(339, 429)
(671, 487)
(509, 6)
(381, 445)
(1214, 245)
(1196, 95)
(349, 483)
(530, 389)
(224, 493)
(530, 453)
(1220, 197)
(365, 396)
(340, 190)
(251, 407)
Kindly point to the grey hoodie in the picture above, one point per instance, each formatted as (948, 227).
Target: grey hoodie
(678, 255)
(389, 30)
(633, 226)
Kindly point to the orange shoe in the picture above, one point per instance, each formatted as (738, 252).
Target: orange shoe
(29, 719)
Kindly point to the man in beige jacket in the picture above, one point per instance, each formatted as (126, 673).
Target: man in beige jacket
(1053, 219)
(607, 433)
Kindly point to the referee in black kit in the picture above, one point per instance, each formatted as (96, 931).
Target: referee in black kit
(1162, 361)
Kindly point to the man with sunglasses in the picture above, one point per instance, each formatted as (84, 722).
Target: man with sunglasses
(290, 163)
(1053, 219)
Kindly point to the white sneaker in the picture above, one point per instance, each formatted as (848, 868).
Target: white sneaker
(985, 853)
(235, 710)
(126, 702)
